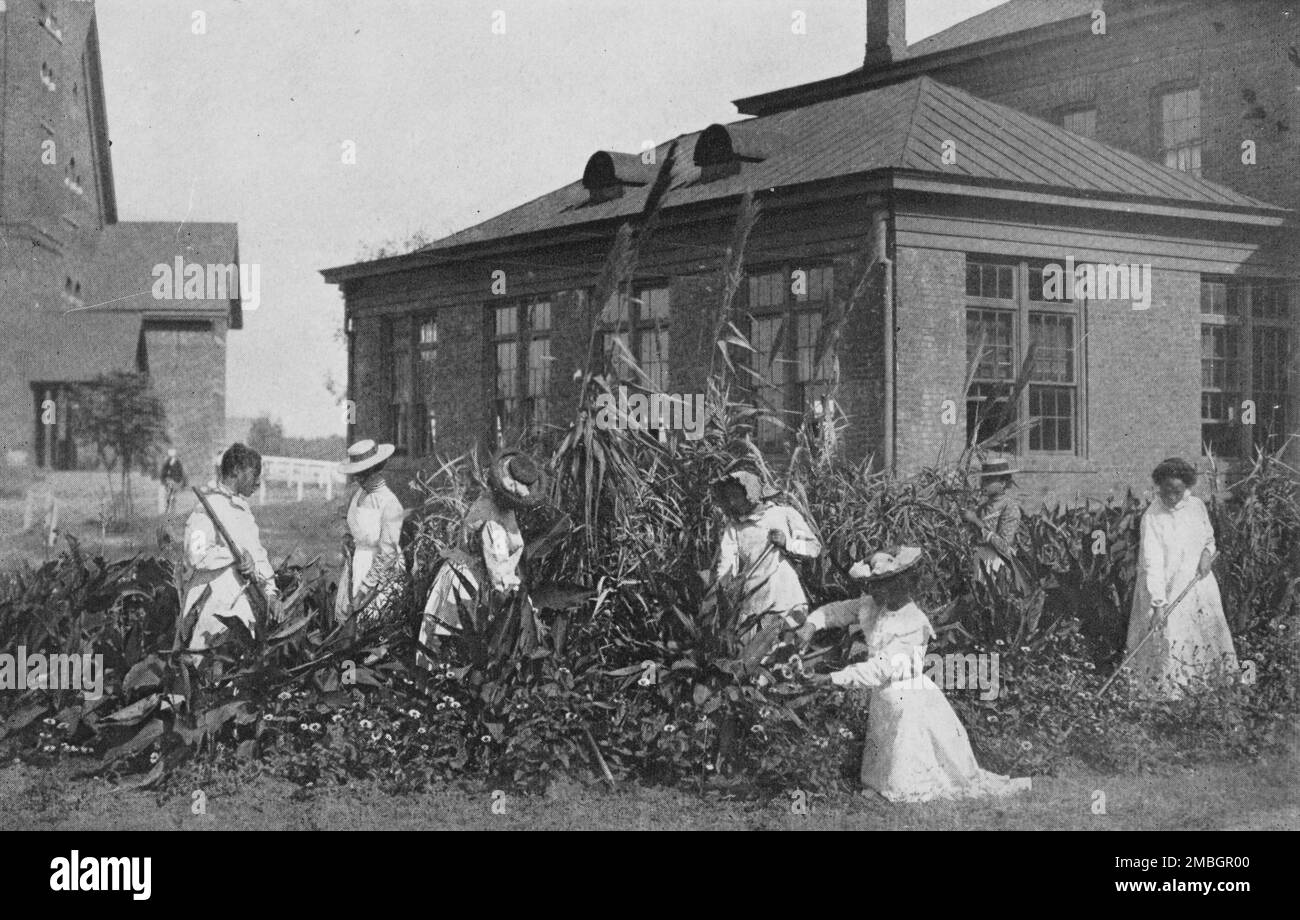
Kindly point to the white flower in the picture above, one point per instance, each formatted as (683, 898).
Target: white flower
(644, 682)
(440, 707)
(315, 726)
(454, 705)
(845, 733)
(421, 730)
(670, 728)
(486, 739)
(413, 713)
(367, 724)
(284, 695)
(337, 717)
(304, 726)
(153, 758)
(267, 717)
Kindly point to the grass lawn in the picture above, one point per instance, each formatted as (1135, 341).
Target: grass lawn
(312, 527)
(1258, 795)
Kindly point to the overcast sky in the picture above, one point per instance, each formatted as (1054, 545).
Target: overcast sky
(452, 124)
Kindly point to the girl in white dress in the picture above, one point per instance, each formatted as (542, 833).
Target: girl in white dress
(759, 539)
(1191, 645)
(489, 549)
(916, 748)
(374, 570)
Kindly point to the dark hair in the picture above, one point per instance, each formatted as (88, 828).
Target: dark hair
(523, 469)
(239, 457)
(370, 471)
(1174, 468)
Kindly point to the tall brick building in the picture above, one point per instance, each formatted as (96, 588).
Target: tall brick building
(1039, 134)
(79, 289)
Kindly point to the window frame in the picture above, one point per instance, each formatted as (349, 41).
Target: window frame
(1158, 96)
(399, 429)
(423, 416)
(637, 325)
(1078, 109)
(1021, 308)
(522, 337)
(1247, 324)
(793, 390)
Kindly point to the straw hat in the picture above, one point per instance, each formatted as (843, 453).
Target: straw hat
(999, 466)
(517, 480)
(365, 454)
(884, 565)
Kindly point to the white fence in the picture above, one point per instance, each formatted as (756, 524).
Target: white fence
(294, 472)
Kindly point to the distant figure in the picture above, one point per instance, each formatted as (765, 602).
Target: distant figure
(998, 521)
(1190, 643)
(173, 478)
(213, 561)
(216, 470)
(374, 570)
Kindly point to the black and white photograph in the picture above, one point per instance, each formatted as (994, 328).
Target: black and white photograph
(852, 415)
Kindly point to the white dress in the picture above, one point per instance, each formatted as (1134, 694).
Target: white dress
(489, 549)
(375, 522)
(773, 586)
(1195, 644)
(213, 565)
(916, 747)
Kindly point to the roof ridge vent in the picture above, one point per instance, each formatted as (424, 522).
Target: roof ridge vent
(717, 155)
(609, 172)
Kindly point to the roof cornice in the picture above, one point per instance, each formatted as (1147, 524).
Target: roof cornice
(873, 182)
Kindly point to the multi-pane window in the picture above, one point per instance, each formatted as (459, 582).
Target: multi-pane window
(786, 307)
(1180, 130)
(397, 365)
(640, 325)
(426, 344)
(521, 346)
(1008, 318)
(1245, 349)
(1081, 121)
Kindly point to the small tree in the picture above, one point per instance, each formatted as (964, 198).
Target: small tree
(125, 420)
(266, 436)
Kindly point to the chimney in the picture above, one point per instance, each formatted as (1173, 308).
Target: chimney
(886, 32)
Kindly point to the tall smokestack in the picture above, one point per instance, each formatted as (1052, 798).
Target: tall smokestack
(886, 31)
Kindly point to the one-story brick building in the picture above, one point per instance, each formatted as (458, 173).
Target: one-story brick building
(79, 288)
(962, 203)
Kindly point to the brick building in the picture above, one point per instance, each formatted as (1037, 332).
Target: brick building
(970, 164)
(82, 292)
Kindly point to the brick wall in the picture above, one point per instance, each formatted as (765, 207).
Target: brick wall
(930, 354)
(187, 369)
(1235, 52)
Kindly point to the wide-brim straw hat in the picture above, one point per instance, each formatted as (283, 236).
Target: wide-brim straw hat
(363, 455)
(996, 467)
(885, 565)
(509, 477)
